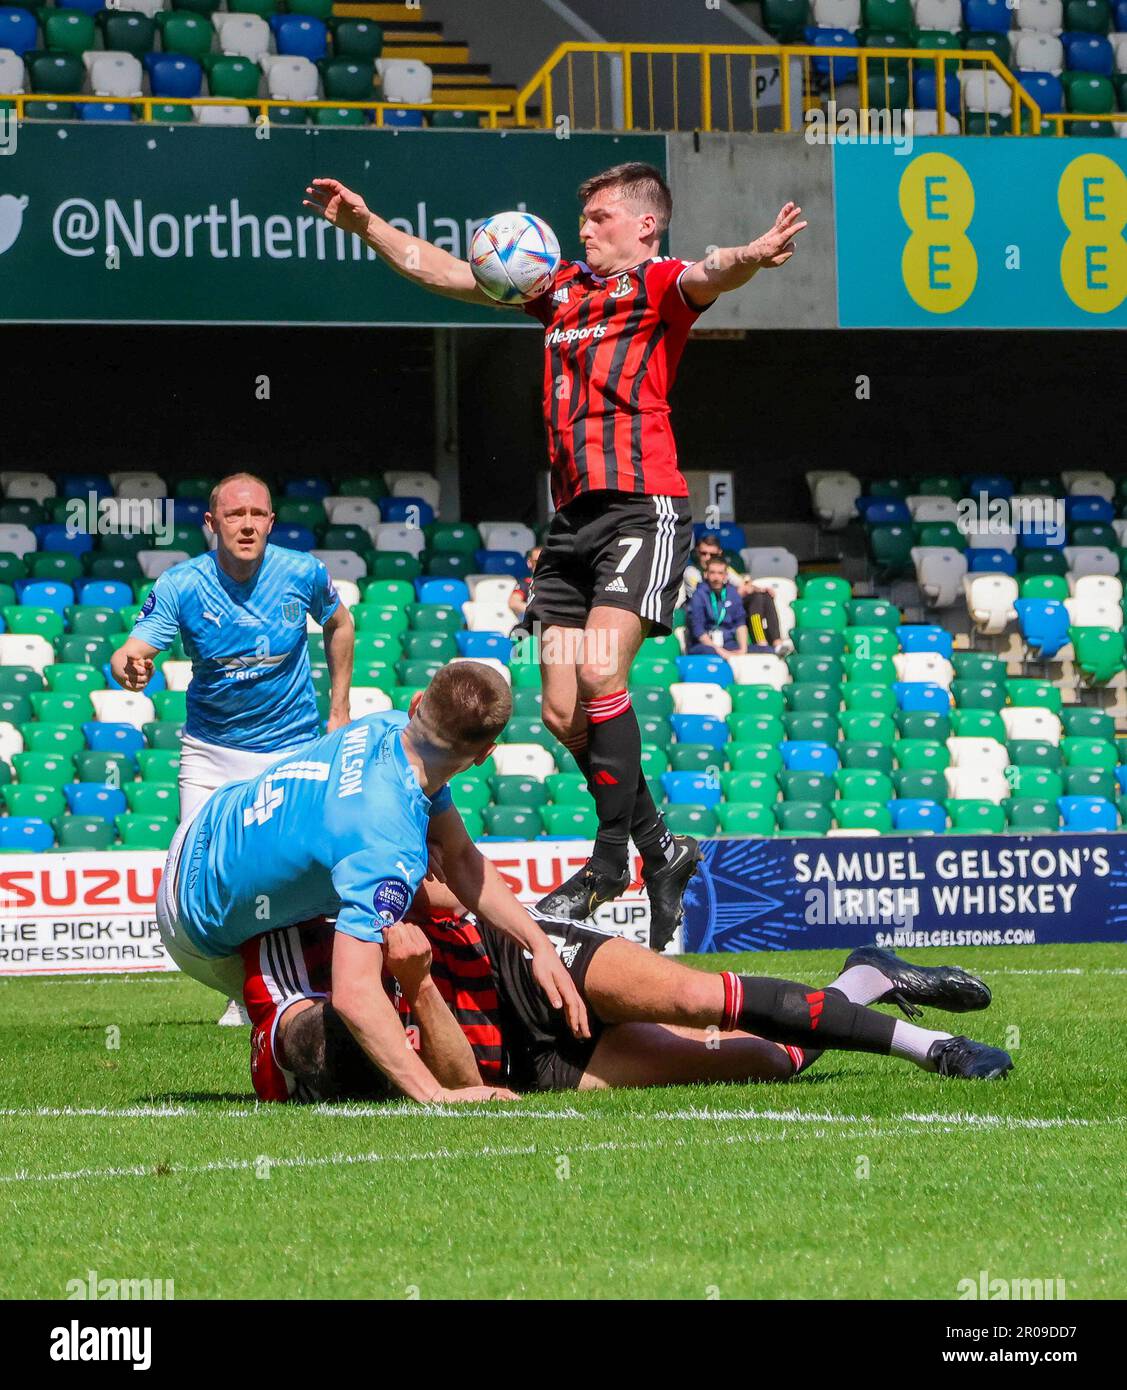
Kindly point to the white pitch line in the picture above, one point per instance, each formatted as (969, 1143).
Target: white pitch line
(1060, 970)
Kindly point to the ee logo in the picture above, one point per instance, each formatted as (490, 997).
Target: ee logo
(1092, 197)
(939, 264)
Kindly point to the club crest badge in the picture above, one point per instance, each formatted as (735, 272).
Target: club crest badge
(291, 611)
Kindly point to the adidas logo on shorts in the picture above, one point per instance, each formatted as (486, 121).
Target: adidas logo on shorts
(616, 586)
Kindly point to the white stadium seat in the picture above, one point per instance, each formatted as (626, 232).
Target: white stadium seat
(150, 7)
(393, 535)
(154, 562)
(16, 539)
(985, 91)
(342, 565)
(921, 121)
(701, 697)
(990, 602)
(1035, 51)
(1091, 559)
(1119, 525)
(507, 535)
(122, 707)
(369, 699)
(833, 496)
(488, 617)
(939, 14)
(113, 74)
(1089, 483)
(291, 79)
(928, 508)
(940, 570)
(34, 486)
(405, 80)
(769, 560)
(490, 661)
(974, 753)
(760, 668)
(243, 35)
(490, 588)
(1093, 611)
(347, 590)
(1105, 587)
(424, 485)
(1033, 722)
(837, 14)
(523, 760)
(782, 590)
(16, 649)
(928, 667)
(11, 741)
(1119, 44)
(977, 783)
(785, 614)
(177, 674)
(1046, 16)
(222, 115)
(992, 540)
(12, 72)
(352, 511)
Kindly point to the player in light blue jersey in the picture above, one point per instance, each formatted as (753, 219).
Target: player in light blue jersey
(241, 611)
(346, 828)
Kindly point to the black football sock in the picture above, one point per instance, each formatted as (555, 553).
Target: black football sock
(647, 828)
(614, 750)
(786, 1012)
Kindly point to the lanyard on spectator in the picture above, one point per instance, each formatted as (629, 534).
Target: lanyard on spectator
(717, 610)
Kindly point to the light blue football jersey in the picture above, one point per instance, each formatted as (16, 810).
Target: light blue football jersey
(339, 828)
(251, 686)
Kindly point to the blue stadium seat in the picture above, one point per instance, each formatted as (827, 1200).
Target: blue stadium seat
(1089, 511)
(992, 484)
(106, 593)
(1088, 53)
(691, 788)
(18, 30)
(90, 7)
(403, 119)
(82, 484)
(926, 89)
(987, 16)
(1045, 89)
(1033, 535)
(1120, 24)
(500, 562)
(315, 489)
(730, 534)
(156, 681)
(27, 833)
(925, 637)
(190, 511)
(112, 738)
(1044, 624)
(1121, 778)
(985, 561)
(922, 695)
(173, 75)
(300, 36)
(416, 511)
(881, 511)
(710, 670)
(56, 537)
(450, 593)
(103, 111)
(808, 755)
(95, 799)
(1088, 813)
(293, 537)
(699, 728)
(918, 816)
(484, 644)
(45, 593)
(844, 69)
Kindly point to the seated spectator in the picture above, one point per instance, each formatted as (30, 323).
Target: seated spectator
(764, 634)
(717, 623)
(518, 599)
(707, 548)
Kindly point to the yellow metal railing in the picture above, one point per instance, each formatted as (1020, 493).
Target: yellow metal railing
(262, 105)
(619, 84)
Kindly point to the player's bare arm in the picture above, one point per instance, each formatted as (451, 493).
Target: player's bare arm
(419, 261)
(476, 883)
(132, 663)
(369, 1016)
(340, 642)
(442, 1044)
(731, 267)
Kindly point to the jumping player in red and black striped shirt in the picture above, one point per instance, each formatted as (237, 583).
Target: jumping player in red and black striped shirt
(611, 566)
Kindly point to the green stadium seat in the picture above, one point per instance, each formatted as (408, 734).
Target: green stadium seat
(756, 699)
(44, 769)
(338, 116)
(113, 769)
(1098, 653)
(19, 680)
(804, 697)
(15, 709)
(76, 677)
(387, 593)
(59, 566)
(83, 833)
(802, 818)
(870, 699)
(521, 729)
(690, 820)
(567, 789)
(128, 33)
(370, 617)
(441, 564)
(858, 726)
(873, 757)
(567, 820)
(758, 788)
(28, 799)
(1032, 815)
(652, 700)
(920, 724)
(973, 817)
(825, 617)
(1079, 751)
(978, 666)
(990, 42)
(744, 819)
(1090, 781)
(53, 738)
(87, 620)
(978, 695)
(153, 798)
(1027, 752)
(419, 672)
(164, 734)
(872, 641)
(390, 564)
(922, 754)
(660, 672)
(755, 757)
(873, 613)
(1080, 721)
(868, 670)
(820, 728)
(1088, 94)
(12, 567)
(932, 39)
(665, 647)
(1037, 783)
(815, 670)
(348, 79)
(64, 707)
(434, 617)
(1051, 560)
(818, 641)
(402, 695)
(357, 38)
(786, 19)
(694, 757)
(941, 533)
(654, 760)
(519, 791)
(859, 784)
(470, 792)
(374, 648)
(145, 832)
(26, 620)
(528, 703)
(808, 786)
(513, 822)
(914, 784)
(1042, 694)
(67, 31)
(826, 588)
(655, 729)
(977, 723)
(429, 646)
(863, 815)
(158, 765)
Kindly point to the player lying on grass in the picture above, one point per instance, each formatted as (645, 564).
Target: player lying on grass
(654, 1021)
(345, 828)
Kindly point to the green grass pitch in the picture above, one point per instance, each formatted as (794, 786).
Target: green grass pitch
(864, 1179)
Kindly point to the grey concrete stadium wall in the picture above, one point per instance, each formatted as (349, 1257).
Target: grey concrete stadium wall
(728, 189)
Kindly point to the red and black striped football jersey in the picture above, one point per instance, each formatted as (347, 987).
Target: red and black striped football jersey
(611, 350)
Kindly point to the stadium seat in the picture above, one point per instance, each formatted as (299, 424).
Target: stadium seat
(25, 834)
(512, 822)
(1086, 813)
(802, 818)
(744, 819)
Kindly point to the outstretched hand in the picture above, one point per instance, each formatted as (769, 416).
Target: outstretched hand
(338, 205)
(776, 247)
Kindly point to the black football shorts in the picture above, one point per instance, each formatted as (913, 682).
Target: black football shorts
(620, 549)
